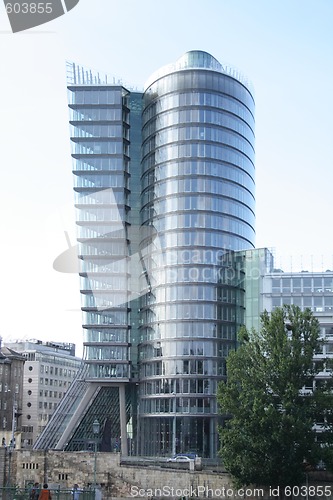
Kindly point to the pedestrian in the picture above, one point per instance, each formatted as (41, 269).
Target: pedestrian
(76, 492)
(34, 493)
(45, 493)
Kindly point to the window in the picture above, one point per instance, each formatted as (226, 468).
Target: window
(286, 285)
(297, 301)
(317, 285)
(27, 428)
(296, 284)
(307, 285)
(307, 302)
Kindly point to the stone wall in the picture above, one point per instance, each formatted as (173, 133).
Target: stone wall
(63, 469)
(155, 482)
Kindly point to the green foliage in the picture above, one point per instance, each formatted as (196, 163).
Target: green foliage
(268, 430)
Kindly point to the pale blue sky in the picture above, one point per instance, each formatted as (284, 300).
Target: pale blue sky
(283, 46)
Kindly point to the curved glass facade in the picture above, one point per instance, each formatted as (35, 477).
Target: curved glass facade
(198, 198)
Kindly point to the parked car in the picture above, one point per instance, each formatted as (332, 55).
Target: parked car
(181, 457)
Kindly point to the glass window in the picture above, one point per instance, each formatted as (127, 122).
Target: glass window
(317, 285)
(286, 285)
(297, 301)
(307, 285)
(296, 282)
(307, 301)
(328, 284)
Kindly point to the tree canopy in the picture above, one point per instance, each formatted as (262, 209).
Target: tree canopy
(268, 404)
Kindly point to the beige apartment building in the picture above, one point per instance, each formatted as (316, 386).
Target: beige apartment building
(49, 370)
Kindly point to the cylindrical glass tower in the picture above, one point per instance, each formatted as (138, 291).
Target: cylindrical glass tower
(198, 207)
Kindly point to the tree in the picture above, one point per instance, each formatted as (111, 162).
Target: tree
(268, 433)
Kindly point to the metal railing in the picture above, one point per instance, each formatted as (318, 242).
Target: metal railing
(16, 493)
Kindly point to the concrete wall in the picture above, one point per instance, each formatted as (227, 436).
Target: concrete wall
(60, 468)
(63, 469)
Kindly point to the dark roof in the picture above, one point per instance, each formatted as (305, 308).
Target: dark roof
(7, 353)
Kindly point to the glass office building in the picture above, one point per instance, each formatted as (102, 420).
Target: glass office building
(198, 195)
(164, 185)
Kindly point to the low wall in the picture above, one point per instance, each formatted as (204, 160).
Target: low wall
(63, 469)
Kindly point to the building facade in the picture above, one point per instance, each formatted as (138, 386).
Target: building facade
(313, 290)
(164, 186)
(198, 194)
(49, 371)
(11, 395)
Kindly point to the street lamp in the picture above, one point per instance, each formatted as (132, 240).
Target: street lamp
(95, 427)
(174, 423)
(306, 469)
